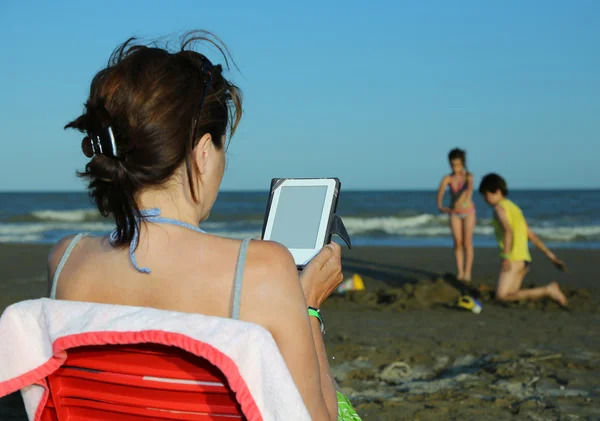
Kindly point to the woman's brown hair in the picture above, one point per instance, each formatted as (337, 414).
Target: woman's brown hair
(157, 104)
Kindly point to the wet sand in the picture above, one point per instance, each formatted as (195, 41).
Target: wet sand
(401, 351)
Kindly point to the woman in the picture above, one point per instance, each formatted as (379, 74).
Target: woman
(156, 123)
(461, 211)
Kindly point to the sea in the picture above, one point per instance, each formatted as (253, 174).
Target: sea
(562, 218)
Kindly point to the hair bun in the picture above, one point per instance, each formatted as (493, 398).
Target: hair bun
(107, 169)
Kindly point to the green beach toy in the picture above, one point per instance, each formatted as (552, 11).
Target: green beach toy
(346, 411)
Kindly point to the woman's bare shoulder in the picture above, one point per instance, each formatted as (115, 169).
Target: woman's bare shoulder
(271, 257)
(56, 254)
(89, 242)
(57, 251)
(261, 255)
(271, 265)
(266, 261)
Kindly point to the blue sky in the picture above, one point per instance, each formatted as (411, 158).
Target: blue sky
(373, 92)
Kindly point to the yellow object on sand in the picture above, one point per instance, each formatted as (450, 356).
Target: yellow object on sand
(469, 303)
(351, 284)
(359, 285)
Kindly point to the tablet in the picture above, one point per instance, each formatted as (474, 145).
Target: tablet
(299, 215)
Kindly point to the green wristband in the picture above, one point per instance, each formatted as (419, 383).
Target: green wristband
(314, 312)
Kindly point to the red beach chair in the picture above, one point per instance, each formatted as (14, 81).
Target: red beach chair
(138, 382)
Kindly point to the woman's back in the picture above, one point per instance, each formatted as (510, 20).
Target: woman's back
(190, 272)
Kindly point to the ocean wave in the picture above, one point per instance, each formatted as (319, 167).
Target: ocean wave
(392, 224)
(428, 225)
(56, 224)
(21, 238)
(48, 215)
(38, 228)
(581, 233)
(92, 215)
(77, 215)
(425, 225)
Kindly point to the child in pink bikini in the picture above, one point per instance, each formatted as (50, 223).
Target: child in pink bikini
(461, 211)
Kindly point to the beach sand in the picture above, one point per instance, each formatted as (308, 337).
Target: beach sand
(401, 351)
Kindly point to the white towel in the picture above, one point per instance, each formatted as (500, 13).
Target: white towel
(35, 334)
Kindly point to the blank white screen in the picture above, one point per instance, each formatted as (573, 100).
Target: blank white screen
(298, 216)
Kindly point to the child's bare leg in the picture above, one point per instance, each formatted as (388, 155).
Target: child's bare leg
(509, 287)
(457, 235)
(510, 281)
(556, 294)
(469, 228)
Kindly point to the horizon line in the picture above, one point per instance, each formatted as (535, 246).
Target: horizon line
(351, 190)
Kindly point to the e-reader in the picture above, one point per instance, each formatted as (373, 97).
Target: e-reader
(301, 215)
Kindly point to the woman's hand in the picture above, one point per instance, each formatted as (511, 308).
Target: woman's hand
(444, 209)
(322, 275)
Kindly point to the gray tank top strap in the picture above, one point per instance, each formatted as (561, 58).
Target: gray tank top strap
(62, 262)
(239, 275)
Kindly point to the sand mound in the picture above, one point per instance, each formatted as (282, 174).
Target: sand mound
(444, 292)
(423, 294)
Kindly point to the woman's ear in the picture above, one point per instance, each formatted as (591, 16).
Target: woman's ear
(201, 152)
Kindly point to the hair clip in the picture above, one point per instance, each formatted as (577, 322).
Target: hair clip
(103, 143)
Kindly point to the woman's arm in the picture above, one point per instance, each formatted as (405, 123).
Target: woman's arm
(440, 194)
(319, 279)
(328, 385)
(279, 305)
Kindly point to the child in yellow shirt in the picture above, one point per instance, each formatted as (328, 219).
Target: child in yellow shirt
(513, 236)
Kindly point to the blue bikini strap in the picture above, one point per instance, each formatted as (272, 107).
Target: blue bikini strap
(149, 215)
